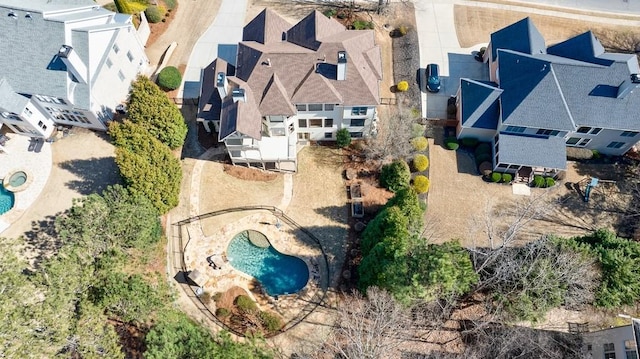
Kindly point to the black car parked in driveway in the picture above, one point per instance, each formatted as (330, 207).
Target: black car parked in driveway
(432, 73)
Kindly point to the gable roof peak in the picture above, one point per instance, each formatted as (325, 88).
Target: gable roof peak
(521, 36)
(309, 31)
(266, 27)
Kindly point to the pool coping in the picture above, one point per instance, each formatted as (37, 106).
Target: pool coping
(250, 277)
(283, 239)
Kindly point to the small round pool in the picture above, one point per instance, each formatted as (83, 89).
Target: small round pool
(278, 273)
(7, 200)
(18, 179)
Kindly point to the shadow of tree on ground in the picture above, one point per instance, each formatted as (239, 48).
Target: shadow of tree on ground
(94, 174)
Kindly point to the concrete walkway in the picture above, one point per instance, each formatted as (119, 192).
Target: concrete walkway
(220, 40)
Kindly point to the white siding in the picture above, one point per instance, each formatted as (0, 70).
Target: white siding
(109, 90)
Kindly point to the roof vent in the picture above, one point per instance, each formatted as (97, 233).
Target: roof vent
(342, 66)
(28, 16)
(628, 86)
(238, 95)
(13, 15)
(221, 84)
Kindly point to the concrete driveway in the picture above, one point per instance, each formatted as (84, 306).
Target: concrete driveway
(438, 44)
(220, 40)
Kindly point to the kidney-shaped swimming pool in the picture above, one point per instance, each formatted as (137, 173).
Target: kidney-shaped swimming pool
(278, 273)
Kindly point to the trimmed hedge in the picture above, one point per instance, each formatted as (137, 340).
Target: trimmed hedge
(507, 177)
(549, 182)
(421, 184)
(451, 143)
(402, 86)
(395, 176)
(469, 142)
(420, 162)
(169, 78)
(419, 143)
(538, 181)
(154, 14)
(496, 177)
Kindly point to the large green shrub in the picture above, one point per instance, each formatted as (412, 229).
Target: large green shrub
(395, 175)
(421, 184)
(620, 263)
(419, 143)
(154, 14)
(538, 181)
(451, 143)
(245, 304)
(496, 177)
(507, 177)
(149, 107)
(146, 165)
(169, 78)
(420, 162)
(171, 4)
(343, 137)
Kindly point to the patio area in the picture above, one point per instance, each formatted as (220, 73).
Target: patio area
(16, 157)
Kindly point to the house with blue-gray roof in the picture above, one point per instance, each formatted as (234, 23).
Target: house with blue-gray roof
(540, 99)
(65, 62)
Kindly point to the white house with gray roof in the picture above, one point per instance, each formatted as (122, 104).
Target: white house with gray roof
(66, 62)
(540, 99)
(292, 84)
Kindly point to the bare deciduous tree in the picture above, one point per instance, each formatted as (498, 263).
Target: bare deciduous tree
(393, 139)
(371, 327)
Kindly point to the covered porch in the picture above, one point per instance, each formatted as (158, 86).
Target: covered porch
(527, 156)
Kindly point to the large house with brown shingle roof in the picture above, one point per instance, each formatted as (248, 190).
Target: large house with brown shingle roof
(292, 85)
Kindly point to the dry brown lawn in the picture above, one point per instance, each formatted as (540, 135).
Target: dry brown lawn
(460, 201)
(474, 25)
(219, 190)
(319, 201)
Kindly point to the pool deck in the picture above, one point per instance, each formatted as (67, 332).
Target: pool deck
(283, 239)
(16, 157)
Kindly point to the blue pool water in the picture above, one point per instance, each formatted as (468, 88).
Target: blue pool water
(278, 273)
(6, 200)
